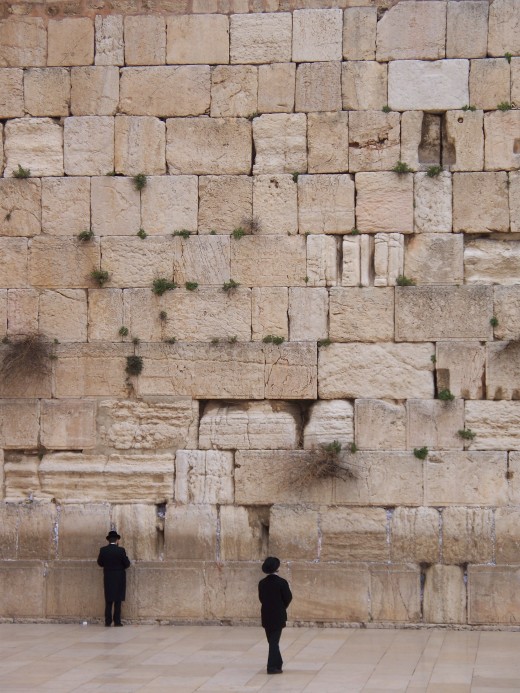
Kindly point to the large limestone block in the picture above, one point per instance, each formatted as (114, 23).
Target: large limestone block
(412, 30)
(373, 140)
(467, 27)
(436, 312)
(504, 28)
(95, 370)
(20, 207)
(184, 599)
(481, 477)
(384, 202)
(197, 39)
(21, 481)
(463, 141)
(493, 595)
(275, 204)
(71, 41)
(364, 85)
(59, 216)
(415, 85)
(317, 35)
(234, 90)
(22, 311)
(260, 38)
(115, 206)
(327, 135)
(357, 534)
(211, 146)
(395, 593)
(23, 42)
(414, 535)
(280, 141)
(489, 83)
(492, 262)
(250, 426)
(141, 527)
(204, 476)
(515, 80)
(467, 535)
(290, 371)
(507, 311)
(47, 91)
(224, 202)
(276, 87)
(326, 203)
(9, 530)
(109, 40)
(318, 87)
(13, 263)
(168, 203)
(322, 262)
(308, 313)
(228, 589)
(36, 531)
(94, 90)
(35, 144)
(502, 371)
(420, 139)
(434, 424)
(203, 259)
(89, 145)
(63, 315)
(27, 577)
(82, 528)
(361, 314)
(495, 425)
(105, 314)
(293, 532)
(507, 536)
(145, 40)
(432, 203)
(70, 477)
(445, 594)
(380, 425)
(165, 91)
(359, 33)
(12, 93)
(62, 262)
(190, 531)
(330, 593)
(329, 421)
(388, 258)
(132, 262)
(68, 424)
(502, 140)
(460, 368)
(269, 261)
(19, 423)
(480, 202)
(432, 258)
(381, 371)
(243, 533)
(32, 383)
(358, 255)
(269, 312)
(514, 200)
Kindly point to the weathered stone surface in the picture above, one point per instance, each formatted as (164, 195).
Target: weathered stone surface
(358, 252)
(322, 264)
(168, 203)
(74, 587)
(317, 35)
(463, 141)
(412, 30)
(415, 535)
(109, 40)
(276, 87)
(23, 42)
(329, 421)
(504, 28)
(204, 476)
(373, 140)
(115, 206)
(326, 203)
(209, 145)
(489, 83)
(61, 262)
(290, 371)
(318, 87)
(420, 139)
(361, 314)
(384, 202)
(190, 531)
(26, 576)
(515, 80)
(13, 263)
(21, 479)
(432, 313)
(308, 313)
(140, 526)
(19, 423)
(269, 261)
(514, 200)
(234, 90)
(467, 29)
(202, 259)
(59, 216)
(269, 308)
(36, 539)
(432, 203)
(460, 368)
(224, 203)
(68, 424)
(70, 41)
(8, 529)
(432, 258)
(194, 39)
(81, 530)
(105, 314)
(495, 425)
(29, 384)
(227, 590)
(502, 141)
(434, 424)
(3, 312)
(275, 204)
(395, 593)
(359, 33)
(354, 535)
(93, 371)
(243, 533)
(260, 38)
(20, 207)
(364, 85)
(502, 371)
(293, 532)
(445, 594)
(507, 311)
(280, 143)
(89, 145)
(380, 425)
(493, 594)
(467, 535)
(22, 308)
(12, 93)
(481, 477)
(384, 371)
(63, 315)
(507, 536)
(145, 40)
(388, 258)
(184, 600)
(94, 90)
(427, 86)
(491, 262)
(35, 144)
(327, 135)
(130, 262)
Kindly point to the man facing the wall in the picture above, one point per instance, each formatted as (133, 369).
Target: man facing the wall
(114, 561)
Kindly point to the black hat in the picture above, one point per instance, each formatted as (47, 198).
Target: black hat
(270, 565)
(112, 535)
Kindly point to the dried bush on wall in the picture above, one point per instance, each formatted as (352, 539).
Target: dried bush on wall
(324, 462)
(26, 357)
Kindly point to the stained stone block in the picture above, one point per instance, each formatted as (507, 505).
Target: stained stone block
(515, 80)
(489, 82)
(202, 259)
(467, 29)
(380, 425)
(412, 30)
(507, 311)
(415, 535)
(491, 262)
(140, 144)
(88, 145)
(358, 254)
(280, 143)
(249, 426)
(91, 371)
(105, 314)
(130, 262)
(494, 424)
(71, 41)
(445, 594)
(109, 40)
(35, 144)
(327, 135)
(432, 258)
(432, 203)
(11, 93)
(185, 599)
(211, 146)
(493, 594)
(507, 536)
(22, 311)
(190, 531)
(243, 533)
(463, 141)
(19, 423)
(234, 90)
(502, 371)
(224, 203)
(145, 40)
(275, 204)
(269, 308)
(420, 85)
(63, 315)
(269, 261)
(293, 532)
(26, 576)
(317, 35)
(261, 38)
(434, 424)
(504, 28)
(115, 206)
(82, 528)
(322, 264)
(68, 424)
(13, 263)
(20, 476)
(276, 87)
(36, 527)
(480, 202)
(194, 39)
(59, 216)
(514, 200)
(467, 535)
(318, 87)
(388, 258)
(23, 42)
(20, 207)
(384, 202)
(74, 590)
(361, 314)
(502, 141)
(8, 529)
(290, 371)
(326, 203)
(141, 528)
(354, 535)
(204, 476)
(169, 203)
(328, 421)
(308, 313)
(62, 262)
(3, 312)
(420, 139)
(228, 589)
(364, 86)
(395, 593)
(383, 371)
(433, 313)
(373, 140)
(359, 33)
(460, 368)
(94, 90)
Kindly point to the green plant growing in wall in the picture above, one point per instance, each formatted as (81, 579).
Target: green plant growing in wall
(295, 176)
(134, 365)
(163, 316)
(386, 109)
(238, 233)
(161, 285)
(404, 281)
(493, 321)
(230, 285)
(215, 340)
(142, 234)
(140, 181)
(324, 342)
(21, 172)
(26, 357)
(466, 434)
(233, 339)
(191, 286)
(170, 340)
(101, 277)
(123, 331)
(273, 339)
(401, 167)
(446, 395)
(354, 232)
(183, 233)
(323, 462)
(508, 57)
(433, 171)
(469, 108)
(353, 448)
(86, 235)
(421, 453)
(504, 106)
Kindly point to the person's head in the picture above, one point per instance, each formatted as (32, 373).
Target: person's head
(113, 537)
(271, 565)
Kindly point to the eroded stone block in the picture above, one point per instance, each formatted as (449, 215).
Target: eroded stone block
(415, 85)
(431, 258)
(318, 87)
(22, 311)
(275, 204)
(243, 533)
(327, 135)
(74, 589)
(63, 315)
(261, 38)
(361, 314)
(109, 40)
(269, 308)
(23, 42)
(489, 82)
(190, 531)
(317, 35)
(276, 87)
(504, 28)
(354, 535)
(502, 370)
(359, 33)
(82, 528)
(145, 40)
(326, 203)
(234, 90)
(467, 29)
(115, 206)
(203, 259)
(380, 425)
(269, 261)
(329, 421)
(293, 532)
(384, 202)
(491, 262)
(89, 145)
(389, 250)
(507, 312)
(62, 262)
(463, 141)
(395, 593)
(507, 536)
(105, 314)
(467, 535)
(141, 528)
(308, 313)
(322, 262)
(480, 202)
(494, 425)
(373, 140)
(94, 90)
(290, 371)
(20, 207)
(412, 30)
(460, 368)
(59, 216)
(184, 600)
(12, 93)
(420, 139)
(502, 140)
(434, 424)
(445, 594)
(71, 41)
(225, 202)
(415, 535)
(35, 144)
(432, 203)
(13, 262)
(358, 252)
(364, 86)
(130, 262)
(493, 594)
(68, 424)
(204, 476)
(197, 39)
(280, 143)
(27, 576)
(19, 423)
(168, 203)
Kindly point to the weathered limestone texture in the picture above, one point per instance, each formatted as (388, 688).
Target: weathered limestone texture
(463, 140)
(94, 90)
(12, 94)
(432, 258)
(168, 204)
(326, 203)
(317, 35)
(327, 137)
(373, 140)
(59, 217)
(504, 26)
(115, 206)
(435, 424)
(20, 207)
(467, 28)
(197, 39)
(448, 581)
(109, 40)
(502, 141)
(88, 146)
(70, 41)
(384, 202)
(280, 143)
(35, 144)
(23, 42)
(380, 425)
(145, 40)
(224, 203)
(139, 145)
(328, 421)
(480, 202)
(460, 368)
(388, 258)
(234, 90)
(427, 86)
(432, 203)
(318, 87)
(412, 30)
(364, 85)
(261, 38)
(275, 205)
(361, 314)
(308, 313)
(492, 262)
(494, 424)
(359, 33)
(489, 83)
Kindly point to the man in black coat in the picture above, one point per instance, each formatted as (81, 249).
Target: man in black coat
(114, 561)
(275, 596)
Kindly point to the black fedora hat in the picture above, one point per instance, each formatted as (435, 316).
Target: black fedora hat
(270, 565)
(112, 535)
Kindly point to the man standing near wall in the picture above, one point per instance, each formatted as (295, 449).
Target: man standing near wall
(114, 561)
(275, 596)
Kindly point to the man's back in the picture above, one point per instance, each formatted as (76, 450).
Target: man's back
(275, 596)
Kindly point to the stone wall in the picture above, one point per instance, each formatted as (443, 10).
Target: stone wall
(342, 180)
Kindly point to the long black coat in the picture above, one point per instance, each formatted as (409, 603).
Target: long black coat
(114, 561)
(275, 596)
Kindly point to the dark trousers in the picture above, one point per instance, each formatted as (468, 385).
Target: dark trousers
(274, 659)
(108, 613)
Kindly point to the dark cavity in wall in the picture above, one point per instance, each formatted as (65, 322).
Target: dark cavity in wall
(430, 144)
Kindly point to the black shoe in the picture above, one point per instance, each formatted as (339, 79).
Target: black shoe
(118, 625)
(274, 671)
(107, 625)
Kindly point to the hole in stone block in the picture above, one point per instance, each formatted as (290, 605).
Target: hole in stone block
(430, 144)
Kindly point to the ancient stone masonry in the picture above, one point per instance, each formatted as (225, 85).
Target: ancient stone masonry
(260, 293)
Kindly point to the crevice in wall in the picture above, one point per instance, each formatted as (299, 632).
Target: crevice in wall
(429, 151)
(160, 510)
(448, 152)
(441, 535)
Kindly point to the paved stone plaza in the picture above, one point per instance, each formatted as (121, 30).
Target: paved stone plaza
(182, 659)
